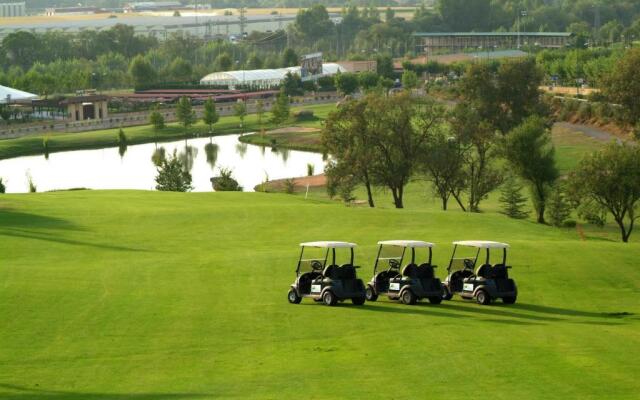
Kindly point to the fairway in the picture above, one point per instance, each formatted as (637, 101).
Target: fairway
(150, 295)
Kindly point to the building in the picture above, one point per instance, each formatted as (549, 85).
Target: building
(440, 42)
(85, 107)
(12, 9)
(261, 78)
(153, 6)
(9, 95)
(359, 66)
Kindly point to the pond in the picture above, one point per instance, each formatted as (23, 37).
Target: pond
(133, 168)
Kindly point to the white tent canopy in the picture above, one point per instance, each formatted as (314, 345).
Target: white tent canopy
(261, 78)
(8, 94)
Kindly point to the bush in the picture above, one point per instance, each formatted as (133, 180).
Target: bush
(558, 207)
(584, 111)
(172, 176)
(310, 169)
(32, 185)
(122, 138)
(593, 213)
(512, 199)
(3, 188)
(304, 115)
(225, 182)
(290, 185)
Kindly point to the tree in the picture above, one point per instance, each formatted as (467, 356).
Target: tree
(312, 24)
(384, 66)
(466, 15)
(367, 80)
(292, 84)
(157, 120)
(347, 138)
(530, 153)
(289, 58)
(442, 163)
(558, 207)
(610, 178)
(280, 109)
(409, 79)
(512, 199)
(184, 112)
(622, 86)
(260, 112)
(504, 98)
(224, 62)
(210, 116)
(180, 70)
(479, 141)
(141, 71)
(240, 110)
(346, 82)
(172, 176)
(399, 129)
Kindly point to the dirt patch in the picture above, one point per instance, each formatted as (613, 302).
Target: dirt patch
(293, 129)
(277, 185)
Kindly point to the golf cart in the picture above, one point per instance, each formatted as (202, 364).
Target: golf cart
(407, 281)
(470, 278)
(319, 277)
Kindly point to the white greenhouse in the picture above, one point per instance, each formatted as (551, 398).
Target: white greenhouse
(261, 78)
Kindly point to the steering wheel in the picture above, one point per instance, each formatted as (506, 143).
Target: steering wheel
(316, 265)
(394, 264)
(468, 264)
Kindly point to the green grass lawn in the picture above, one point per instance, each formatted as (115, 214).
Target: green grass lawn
(31, 145)
(148, 295)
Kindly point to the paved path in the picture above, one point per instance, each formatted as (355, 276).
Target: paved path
(590, 131)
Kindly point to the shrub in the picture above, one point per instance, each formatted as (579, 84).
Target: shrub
(512, 199)
(3, 188)
(290, 185)
(172, 176)
(593, 213)
(304, 115)
(584, 111)
(558, 207)
(32, 185)
(310, 169)
(225, 182)
(122, 138)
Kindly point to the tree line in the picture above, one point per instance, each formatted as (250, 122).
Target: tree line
(496, 136)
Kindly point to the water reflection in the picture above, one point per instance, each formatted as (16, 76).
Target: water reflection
(158, 156)
(211, 151)
(107, 169)
(187, 156)
(241, 149)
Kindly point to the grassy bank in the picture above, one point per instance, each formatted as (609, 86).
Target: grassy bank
(166, 296)
(55, 142)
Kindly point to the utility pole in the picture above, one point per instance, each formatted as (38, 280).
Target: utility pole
(243, 20)
(521, 13)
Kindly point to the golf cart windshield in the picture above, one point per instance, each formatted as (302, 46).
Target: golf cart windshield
(472, 253)
(390, 257)
(315, 256)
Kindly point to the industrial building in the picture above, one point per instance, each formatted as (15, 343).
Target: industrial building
(441, 42)
(12, 9)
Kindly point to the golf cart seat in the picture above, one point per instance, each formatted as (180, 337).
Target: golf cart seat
(425, 271)
(305, 281)
(499, 271)
(485, 271)
(410, 271)
(329, 271)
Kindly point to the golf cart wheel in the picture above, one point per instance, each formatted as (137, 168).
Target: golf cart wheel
(483, 298)
(370, 294)
(509, 300)
(435, 300)
(293, 297)
(329, 298)
(408, 297)
(358, 301)
(446, 294)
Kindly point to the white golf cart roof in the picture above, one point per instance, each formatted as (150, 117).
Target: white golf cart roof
(329, 245)
(482, 244)
(406, 243)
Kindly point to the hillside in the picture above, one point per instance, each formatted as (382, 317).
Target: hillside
(148, 295)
